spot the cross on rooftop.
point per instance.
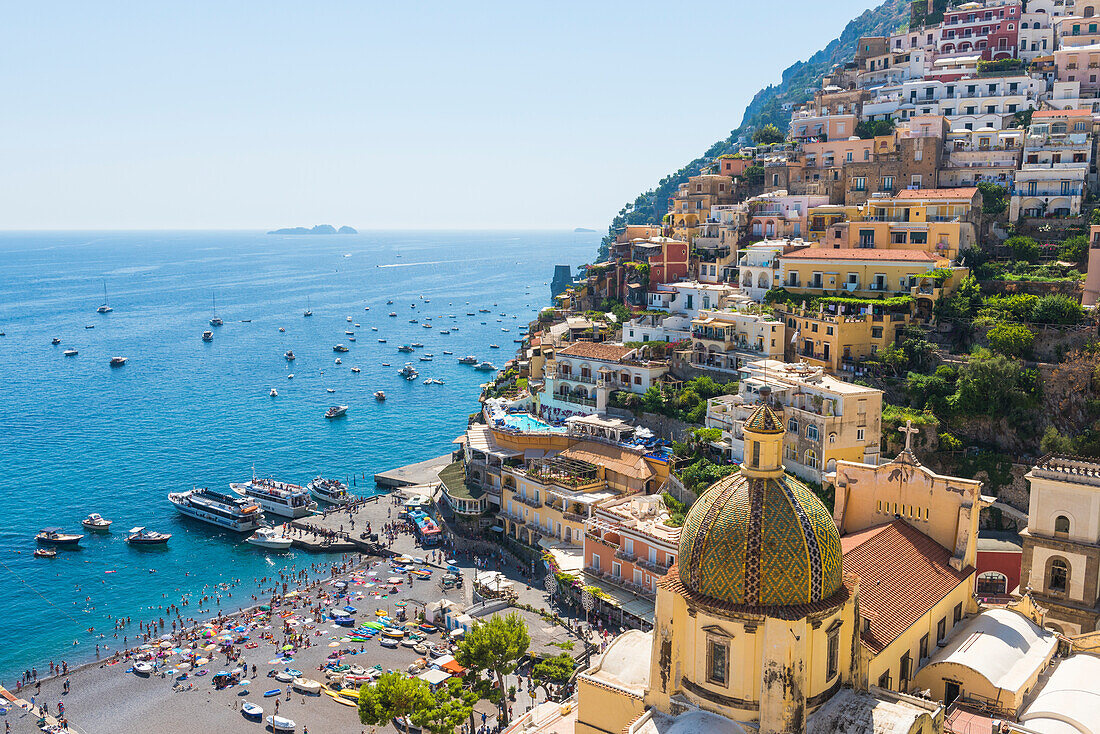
(909, 431)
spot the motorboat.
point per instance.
(468, 359)
(269, 538)
(416, 345)
(282, 330)
(356, 325)
(381, 341)
(97, 522)
(374, 328)
(336, 411)
(54, 536)
(280, 723)
(143, 667)
(349, 319)
(208, 336)
(89, 326)
(414, 321)
(483, 310)
(485, 366)
(408, 372)
(388, 642)
(215, 320)
(338, 361)
(117, 361)
(349, 333)
(142, 536)
(274, 393)
(445, 331)
(392, 313)
(494, 346)
(405, 348)
(218, 508)
(70, 352)
(330, 390)
(356, 370)
(252, 710)
(289, 355)
(55, 341)
(106, 307)
(279, 498)
(45, 553)
(351, 338)
(426, 358)
(290, 376)
(379, 395)
(447, 352)
(340, 348)
(332, 491)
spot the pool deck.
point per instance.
(422, 472)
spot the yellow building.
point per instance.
(693, 200)
(856, 273)
(840, 337)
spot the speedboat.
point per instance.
(218, 508)
(392, 313)
(356, 325)
(338, 361)
(70, 352)
(117, 361)
(330, 390)
(379, 395)
(483, 310)
(55, 341)
(54, 536)
(468, 359)
(340, 348)
(416, 345)
(141, 536)
(349, 319)
(279, 723)
(351, 338)
(96, 522)
(279, 498)
(332, 491)
(208, 336)
(356, 370)
(494, 346)
(389, 303)
(45, 553)
(445, 331)
(405, 348)
(290, 376)
(484, 366)
(89, 326)
(282, 330)
(269, 538)
(274, 393)
(408, 371)
(446, 352)
(426, 358)
(349, 333)
(289, 355)
(381, 341)
(336, 411)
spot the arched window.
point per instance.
(831, 465)
(1089, 12)
(762, 280)
(1058, 579)
(1061, 525)
(992, 582)
(811, 458)
(832, 438)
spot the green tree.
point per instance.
(445, 708)
(767, 135)
(392, 696)
(994, 385)
(495, 646)
(930, 392)
(994, 197)
(558, 669)
(1053, 442)
(1012, 340)
(963, 303)
(1074, 249)
(868, 129)
(1057, 309)
(1023, 248)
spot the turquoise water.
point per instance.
(528, 422)
(80, 437)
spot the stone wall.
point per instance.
(670, 429)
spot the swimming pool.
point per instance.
(528, 422)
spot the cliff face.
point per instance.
(797, 85)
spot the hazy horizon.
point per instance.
(498, 116)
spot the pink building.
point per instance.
(627, 543)
(991, 31)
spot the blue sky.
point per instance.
(428, 114)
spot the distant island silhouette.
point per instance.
(318, 229)
(583, 229)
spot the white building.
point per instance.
(981, 155)
(657, 328)
(725, 340)
(689, 297)
(581, 377)
(1056, 159)
(758, 268)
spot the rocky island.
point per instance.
(317, 229)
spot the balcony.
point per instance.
(576, 400)
(1048, 192)
(529, 501)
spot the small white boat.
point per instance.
(250, 709)
(290, 376)
(283, 677)
(96, 522)
(331, 390)
(269, 538)
(349, 319)
(339, 361)
(336, 411)
(117, 361)
(274, 393)
(70, 352)
(356, 370)
(208, 336)
(143, 668)
(282, 330)
(306, 685)
(278, 723)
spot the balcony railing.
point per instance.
(577, 400)
(529, 501)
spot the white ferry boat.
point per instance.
(279, 498)
(332, 491)
(218, 508)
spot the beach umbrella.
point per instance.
(166, 637)
(184, 666)
(166, 645)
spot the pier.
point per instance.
(423, 472)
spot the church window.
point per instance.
(1059, 576)
(834, 655)
(1061, 525)
(717, 662)
(756, 453)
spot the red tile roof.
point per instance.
(596, 350)
(1062, 113)
(903, 573)
(936, 194)
(829, 253)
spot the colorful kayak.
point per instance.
(272, 692)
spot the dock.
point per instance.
(423, 472)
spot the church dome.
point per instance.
(760, 542)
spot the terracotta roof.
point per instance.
(936, 194)
(828, 253)
(618, 460)
(1063, 113)
(902, 574)
(596, 350)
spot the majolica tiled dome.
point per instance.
(760, 542)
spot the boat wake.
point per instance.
(433, 262)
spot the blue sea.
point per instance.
(81, 437)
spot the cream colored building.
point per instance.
(724, 340)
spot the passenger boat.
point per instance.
(340, 348)
(215, 320)
(408, 371)
(117, 361)
(106, 307)
(405, 348)
(218, 508)
(208, 336)
(45, 553)
(54, 536)
(269, 538)
(336, 411)
(95, 521)
(289, 355)
(379, 395)
(332, 491)
(70, 352)
(141, 536)
(484, 366)
(279, 498)
(468, 359)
